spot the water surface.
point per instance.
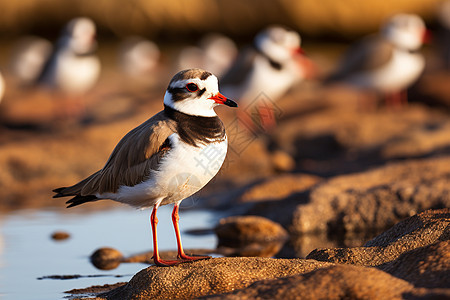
(27, 251)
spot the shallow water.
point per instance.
(27, 251)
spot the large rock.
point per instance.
(374, 199)
(207, 277)
(335, 282)
(416, 249)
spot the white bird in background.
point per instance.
(215, 53)
(387, 63)
(264, 72)
(73, 68)
(29, 56)
(138, 58)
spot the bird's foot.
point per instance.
(192, 258)
(166, 263)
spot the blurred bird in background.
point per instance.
(387, 63)
(138, 59)
(264, 72)
(73, 68)
(215, 53)
(29, 56)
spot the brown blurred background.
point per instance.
(176, 18)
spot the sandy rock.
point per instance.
(335, 282)
(416, 250)
(207, 277)
(375, 199)
(279, 187)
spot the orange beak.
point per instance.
(221, 99)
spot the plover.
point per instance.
(167, 158)
(388, 62)
(29, 56)
(138, 57)
(269, 68)
(73, 68)
(215, 53)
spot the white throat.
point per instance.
(191, 107)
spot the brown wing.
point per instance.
(370, 53)
(131, 160)
(241, 67)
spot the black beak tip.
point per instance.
(230, 103)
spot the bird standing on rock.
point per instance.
(387, 63)
(167, 158)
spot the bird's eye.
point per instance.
(192, 87)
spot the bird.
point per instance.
(215, 52)
(138, 58)
(73, 68)
(167, 158)
(29, 57)
(388, 62)
(267, 70)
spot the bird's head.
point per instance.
(195, 92)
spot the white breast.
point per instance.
(403, 70)
(76, 74)
(265, 79)
(182, 172)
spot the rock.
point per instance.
(282, 161)
(106, 258)
(279, 187)
(416, 249)
(370, 200)
(335, 282)
(423, 267)
(250, 236)
(207, 277)
(246, 229)
(60, 235)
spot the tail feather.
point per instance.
(78, 199)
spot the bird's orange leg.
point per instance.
(158, 261)
(181, 254)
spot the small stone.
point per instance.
(60, 235)
(247, 229)
(106, 258)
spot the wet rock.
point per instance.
(335, 282)
(249, 229)
(207, 277)
(60, 235)
(416, 249)
(250, 236)
(370, 200)
(106, 258)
